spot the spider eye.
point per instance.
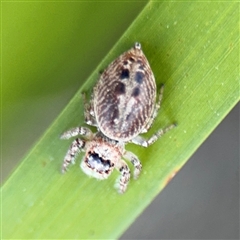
(94, 161)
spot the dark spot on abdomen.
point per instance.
(124, 74)
(120, 88)
(135, 92)
(131, 59)
(139, 77)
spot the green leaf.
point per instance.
(193, 49)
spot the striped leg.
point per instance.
(139, 140)
(75, 148)
(135, 162)
(123, 180)
(88, 112)
(83, 131)
(156, 109)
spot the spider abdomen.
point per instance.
(125, 95)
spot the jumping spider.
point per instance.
(122, 107)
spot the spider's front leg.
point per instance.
(123, 180)
(135, 162)
(75, 148)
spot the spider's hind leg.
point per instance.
(89, 111)
(139, 140)
(156, 109)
